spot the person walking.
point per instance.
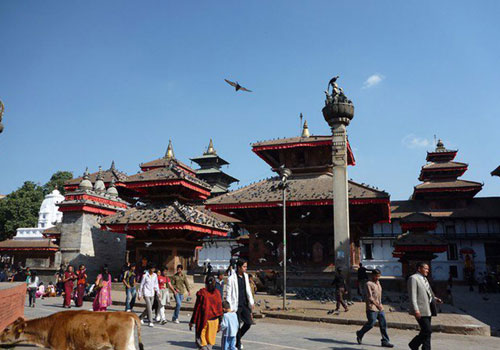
(147, 289)
(68, 281)
(374, 310)
(81, 284)
(129, 280)
(163, 298)
(181, 285)
(239, 296)
(340, 290)
(229, 327)
(33, 282)
(422, 306)
(207, 315)
(103, 296)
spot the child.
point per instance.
(229, 327)
(41, 291)
(51, 290)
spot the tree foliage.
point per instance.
(57, 180)
(20, 208)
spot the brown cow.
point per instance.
(76, 330)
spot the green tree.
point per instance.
(20, 209)
(58, 179)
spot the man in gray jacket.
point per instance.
(421, 297)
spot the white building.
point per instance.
(48, 216)
(472, 231)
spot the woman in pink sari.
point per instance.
(103, 297)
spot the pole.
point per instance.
(284, 246)
(341, 201)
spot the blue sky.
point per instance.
(88, 82)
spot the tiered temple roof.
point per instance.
(440, 177)
(168, 192)
(309, 158)
(166, 161)
(210, 163)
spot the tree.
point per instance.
(58, 179)
(20, 209)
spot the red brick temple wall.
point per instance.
(12, 299)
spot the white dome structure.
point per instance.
(49, 213)
(48, 216)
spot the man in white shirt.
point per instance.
(149, 285)
(422, 303)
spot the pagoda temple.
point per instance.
(210, 171)
(168, 221)
(309, 205)
(440, 179)
(447, 208)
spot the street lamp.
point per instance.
(284, 173)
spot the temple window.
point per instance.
(368, 250)
(454, 271)
(452, 252)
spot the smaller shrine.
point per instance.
(210, 171)
(417, 244)
(107, 176)
(81, 239)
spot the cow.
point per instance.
(76, 330)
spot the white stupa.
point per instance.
(49, 215)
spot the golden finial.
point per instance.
(305, 130)
(170, 151)
(211, 149)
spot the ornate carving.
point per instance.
(338, 108)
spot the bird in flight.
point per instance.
(237, 86)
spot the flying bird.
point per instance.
(274, 231)
(237, 86)
(262, 260)
(148, 244)
(305, 215)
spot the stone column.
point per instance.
(340, 198)
(338, 112)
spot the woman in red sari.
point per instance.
(68, 278)
(207, 314)
(103, 297)
(80, 285)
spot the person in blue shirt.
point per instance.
(229, 327)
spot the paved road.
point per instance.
(273, 334)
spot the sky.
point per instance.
(88, 82)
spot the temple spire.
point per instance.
(305, 130)
(112, 166)
(211, 149)
(170, 151)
